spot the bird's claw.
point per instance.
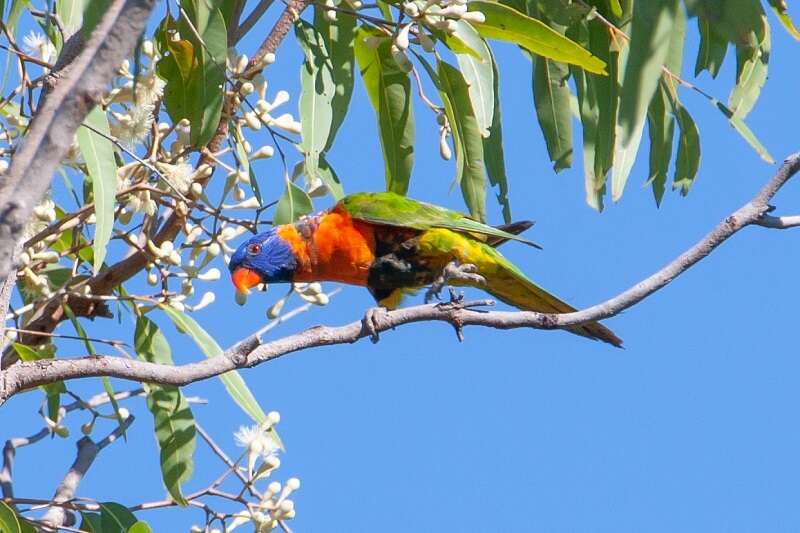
(372, 320)
(453, 270)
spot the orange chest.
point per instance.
(332, 247)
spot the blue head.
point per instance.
(264, 258)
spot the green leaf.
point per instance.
(172, 416)
(479, 75)
(507, 24)
(317, 89)
(93, 11)
(661, 128)
(652, 25)
(98, 152)
(589, 114)
(493, 155)
(293, 203)
(467, 139)
(752, 61)
(71, 14)
(739, 125)
(606, 89)
(328, 176)
(234, 384)
(115, 518)
(338, 36)
(205, 86)
(551, 97)
(140, 527)
(9, 523)
(782, 12)
(389, 90)
(688, 159)
(713, 48)
(90, 522)
(326, 86)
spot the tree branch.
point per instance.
(51, 132)
(785, 222)
(87, 452)
(251, 352)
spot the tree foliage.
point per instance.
(160, 179)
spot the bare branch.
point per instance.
(785, 222)
(9, 453)
(51, 132)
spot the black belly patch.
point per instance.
(397, 263)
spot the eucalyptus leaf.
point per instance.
(687, 161)
(551, 96)
(71, 14)
(504, 23)
(234, 384)
(712, 50)
(651, 27)
(204, 88)
(493, 155)
(389, 90)
(293, 203)
(338, 36)
(9, 522)
(140, 527)
(115, 518)
(173, 420)
(661, 128)
(98, 152)
(589, 115)
(782, 12)
(467, 139)
(752, 60)
(478, 72)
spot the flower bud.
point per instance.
(263, 153)
(401, 41)
(474, 16)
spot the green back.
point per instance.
(392, 209)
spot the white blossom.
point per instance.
(133, 126)
(37, 45)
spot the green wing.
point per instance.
(392, 209)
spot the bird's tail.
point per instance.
(507, 283)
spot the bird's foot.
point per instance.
(453, 270)
(372, 321)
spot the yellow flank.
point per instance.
(505, 281)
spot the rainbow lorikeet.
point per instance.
(394, 245)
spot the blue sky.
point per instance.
(691, 428)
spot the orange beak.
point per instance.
(244, 279)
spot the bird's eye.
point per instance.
(254, 249)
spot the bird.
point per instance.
(394, 245)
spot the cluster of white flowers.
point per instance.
(138, 94)
(274, 505)
(38, 45)
(441, 15)
(34, 258)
